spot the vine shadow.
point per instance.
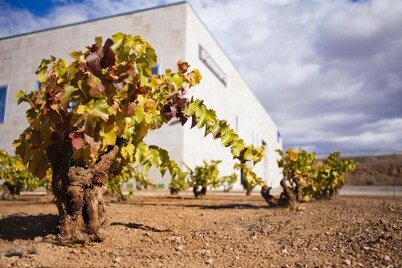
(27, 227)
(139, 226)
(233, 206)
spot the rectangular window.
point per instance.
(3, 101)
(37, 85)
(278, 136)
(156, 69)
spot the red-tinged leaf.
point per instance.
(93, 145)
(183, 119)
(167, 111)
(132, 108)
(193, 121)
(173, 110)
(109, 57)
(94, 61)
(77, 140)
(131, 71)
(182, 66)
(181, 103)
(216, 134)
(96, 86)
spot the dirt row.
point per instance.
(217, 231)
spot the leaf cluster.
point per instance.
(329, 177)
(138, 173)
(301, 169)
(108, 96)
(297, 166)
(13, 171)
(220, 129)
(249, 179)
(207, 175)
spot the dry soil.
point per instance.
(219, 230)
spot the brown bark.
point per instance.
(10, 191)
(286, 199)
(270, 199)
(288, 196)
(199, 193)
(79, 190)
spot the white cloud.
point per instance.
(326, 69)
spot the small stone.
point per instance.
(33, 251)
(366, 248)
(209, 261)
(254, 237)
(49, 237)
(175, 239)
(38, 239)
(117, 260)
(205, 253)
(315, 249)
(360, 264)
(15, 252)
(237, 258)
(284, 251)
(347, 262)
(179, 248)
(326, 233)
(387, 258)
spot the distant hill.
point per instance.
(377, 170)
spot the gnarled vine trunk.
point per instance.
(288, 197)
(10, 191)
(79, 190)
(199, 193)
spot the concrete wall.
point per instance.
(234, 102)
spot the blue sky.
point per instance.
(328, 72)
(36, 7)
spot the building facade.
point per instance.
(176, 32)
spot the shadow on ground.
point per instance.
(140, 226)
(27, 227)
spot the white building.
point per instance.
(176, 32)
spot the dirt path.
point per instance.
(218, 231)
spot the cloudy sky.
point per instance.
(328, 72)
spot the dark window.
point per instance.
(155, 69)
(37, 85)
(3, 101)
(278, 136)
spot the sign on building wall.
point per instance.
(212, 65)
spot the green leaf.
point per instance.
(101, 109)
(139, 114)
(39, 164)
(238, 148)
(76, 55)
(117, 39)
(66, 95)
(110, 137)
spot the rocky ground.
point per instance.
(220, 230)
